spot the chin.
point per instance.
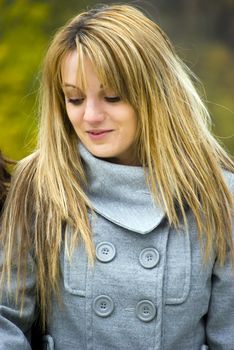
(100, 153)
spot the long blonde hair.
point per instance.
(184, 161)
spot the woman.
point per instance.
(123, 214)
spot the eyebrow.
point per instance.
(76, 87)
(70, 85)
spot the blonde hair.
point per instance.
(183, 159)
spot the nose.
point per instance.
(94, 112)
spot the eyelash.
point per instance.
(75, 101)
(78, 101)
(113, 99)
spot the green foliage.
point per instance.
(23, 41)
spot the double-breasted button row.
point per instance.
(148, 258)
(103, 306)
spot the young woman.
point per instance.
(118, 229)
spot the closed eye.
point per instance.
(113, 99)
(75, 101)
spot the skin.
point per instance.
(104, 123)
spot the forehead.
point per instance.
(69, 68)
(77, 72)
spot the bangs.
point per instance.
(110, 65)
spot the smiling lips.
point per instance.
(98, 134)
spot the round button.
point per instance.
(105, 251)
(103, 305)
(145, 310)
(149, 258)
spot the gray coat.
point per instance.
(149, 288)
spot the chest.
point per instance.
(164, 258)
(139, 287)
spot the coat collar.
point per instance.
(120, 194)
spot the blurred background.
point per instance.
(201, 31)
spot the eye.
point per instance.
(113, 99)
(75, 101)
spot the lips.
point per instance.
(98, 135)
(98, 132)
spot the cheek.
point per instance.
(133, 125)
(133, 130)
(74, 115)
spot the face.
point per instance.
(105, 124)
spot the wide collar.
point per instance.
(120, 194)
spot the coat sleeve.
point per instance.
(15, 324)
(220, 318)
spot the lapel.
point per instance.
(120, 194)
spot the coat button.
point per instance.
(145, 310)
(105, 251)
(103, 305)
(149, 258)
